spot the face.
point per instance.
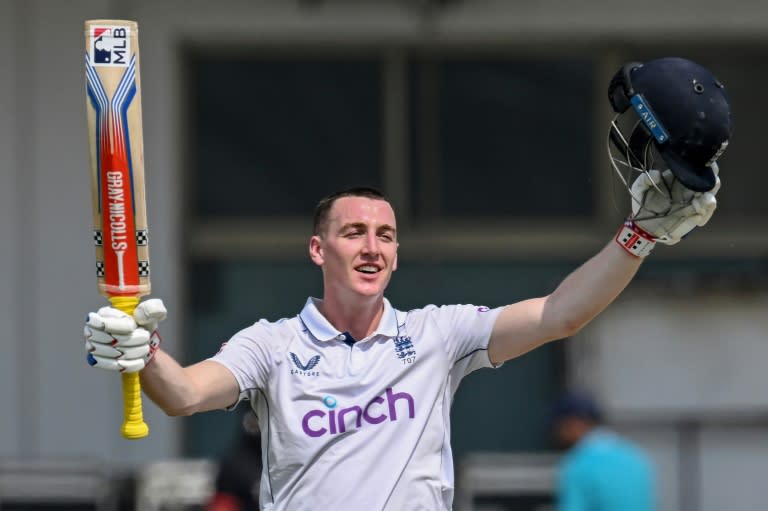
(358, 249)
(569, 430)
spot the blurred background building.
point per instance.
(484, 120)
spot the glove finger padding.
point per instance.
(150, 311)
(705, 206)
(120, 365)
(118, 342)
(641, 185)
(666, 209)
(138, 337)
(111, 320)
(104, 350)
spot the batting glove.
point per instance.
(664, 210)
(662, 206)
(119, 342)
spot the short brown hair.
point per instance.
(323, 207)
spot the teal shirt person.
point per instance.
(601, 470)
(606, 472)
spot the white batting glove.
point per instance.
(119, 342)
(666, 209)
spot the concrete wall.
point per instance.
(10, 284)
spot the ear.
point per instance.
(394, 264)
(316, 250)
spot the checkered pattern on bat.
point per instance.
(143, 268)
(142, 238)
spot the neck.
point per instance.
(360, 317)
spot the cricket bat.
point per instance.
(113, 105)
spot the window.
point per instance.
(501, 137)
(270, 137)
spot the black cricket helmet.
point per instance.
(680, 115)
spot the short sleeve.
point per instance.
(466, 330)
(248, 357)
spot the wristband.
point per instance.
(634, 239)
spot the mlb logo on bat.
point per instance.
(110, 46)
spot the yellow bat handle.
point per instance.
(133, 426)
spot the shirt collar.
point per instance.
(322, 330)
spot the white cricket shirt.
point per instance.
(358, 425)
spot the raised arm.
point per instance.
(525, 325)
(587, 291)
(672, 123)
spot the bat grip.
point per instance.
(133, 426)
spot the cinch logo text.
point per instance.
(317, 423)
